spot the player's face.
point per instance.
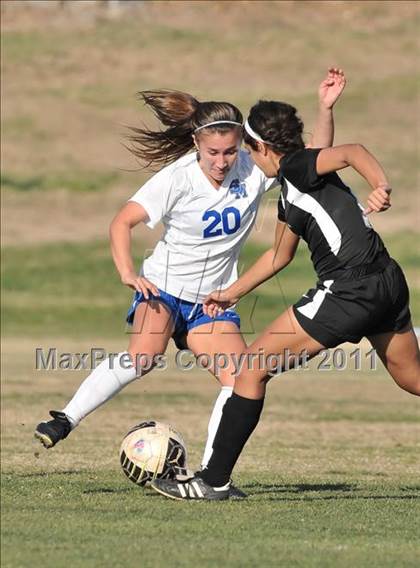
(218, 153)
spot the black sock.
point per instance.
(239, 419)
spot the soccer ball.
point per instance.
(150, 450)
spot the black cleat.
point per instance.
(192, 489)
(51, 432)
(236, 493)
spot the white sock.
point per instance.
(101, 385)
(216, 416)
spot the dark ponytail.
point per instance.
(278, 124)
(182, 114)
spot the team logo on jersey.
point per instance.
(238, 189)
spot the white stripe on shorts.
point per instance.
(311, 308)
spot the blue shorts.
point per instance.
(186, 315)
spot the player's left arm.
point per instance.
(328, 93)
(360, 159)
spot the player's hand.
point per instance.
(379, 200)
(140, 284)
(331, 87)
(217, 302)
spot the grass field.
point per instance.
(333, 470)
(332, 475)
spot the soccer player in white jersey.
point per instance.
(207, 201)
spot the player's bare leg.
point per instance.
(152, 329)
(286, 341)
(399, 352)
(219, 340)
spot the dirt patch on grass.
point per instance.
(71, 70)
(62, 215)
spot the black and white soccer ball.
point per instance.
(152, 450)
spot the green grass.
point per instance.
(283, 523)
(73, 289)
(331, 473)
(72, 180)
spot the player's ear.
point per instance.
(263, 148)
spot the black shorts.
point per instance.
(344, 309)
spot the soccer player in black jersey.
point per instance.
(360, 291)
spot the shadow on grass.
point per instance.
(50, 473)
(343, 491)
(349, 497)
(262, 488)
(108, 490)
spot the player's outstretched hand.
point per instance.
(331, 87)
(140, 284)
(379, 200)
(217, 302)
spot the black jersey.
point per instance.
(326, 214)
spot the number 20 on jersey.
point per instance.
(227, 222)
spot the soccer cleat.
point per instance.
(192, 489)
(236, 493)
(51, 432)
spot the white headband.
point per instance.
(253, 134)
(218, 122)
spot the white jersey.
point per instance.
(205, 227)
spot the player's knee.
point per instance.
(226, 377)
(252, 383)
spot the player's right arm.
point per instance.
(120, 234)
(271, 262)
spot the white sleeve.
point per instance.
(158, 195)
